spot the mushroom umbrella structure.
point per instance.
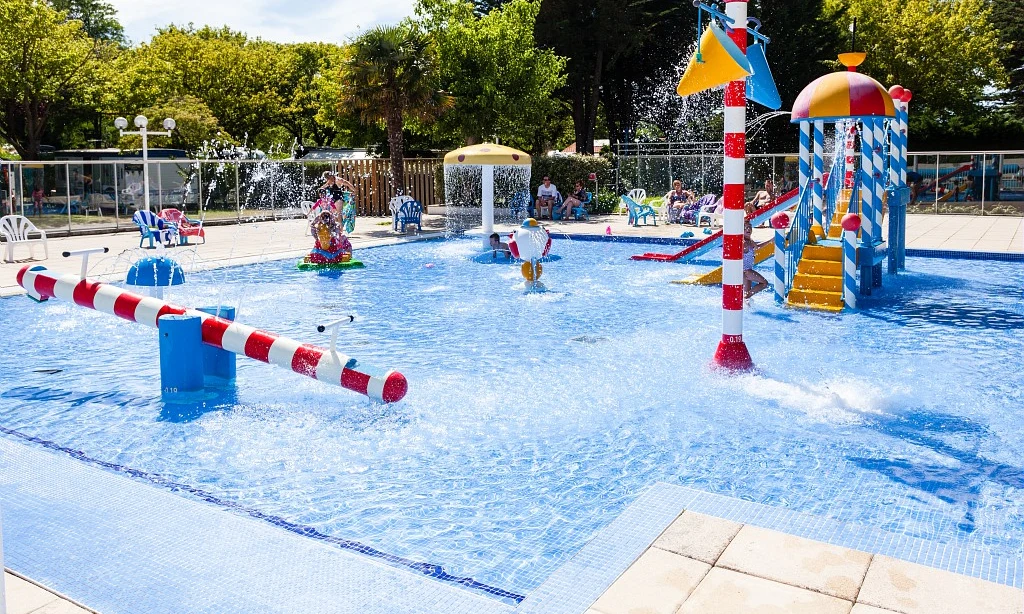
(492, 160)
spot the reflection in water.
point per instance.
(960, 482)
(951, 313)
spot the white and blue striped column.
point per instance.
(850, 268)
(903, 113)
(819, 171)
(895, 147)
(867, 189)
(805, 152)
(780, 222)
(878, 162)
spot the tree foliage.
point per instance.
(47, 68)
(196, 125)
(390, 76)
(945, 51)
(99, 18)
(502, 84)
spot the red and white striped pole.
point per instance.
(305, 359)
(851, 154)
(732, 353)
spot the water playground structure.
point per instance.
(530, 243)
(818, 256)
(198, 346)
(491, 162)
(331, 248)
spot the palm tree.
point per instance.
(389, 76)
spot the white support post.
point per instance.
(487, 202)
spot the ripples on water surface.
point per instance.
(533, 420)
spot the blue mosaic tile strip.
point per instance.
(575, 586)
(962, 255)
(430, 570)
(624, 239)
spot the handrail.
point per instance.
(831, 192)
(799, 232)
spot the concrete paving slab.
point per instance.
(805, 563)
(728, 592)
(915, 589)
(24, 597)
(698, 536)
(860, 608)
(655, 584)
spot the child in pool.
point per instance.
(753, 282)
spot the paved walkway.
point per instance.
(24, 597)
(965, 233)
(707, 565)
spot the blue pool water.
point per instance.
(533, 420)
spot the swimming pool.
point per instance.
(533, 420)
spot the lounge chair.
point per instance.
(637, 195)
(638, 212)
(186, 227)
(153, 227)
(15, 230)
(692, 211)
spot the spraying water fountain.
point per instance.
(480, 175)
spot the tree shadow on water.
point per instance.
(959, 483)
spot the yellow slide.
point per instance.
(714, 277)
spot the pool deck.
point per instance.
(693, 561)
(268, 240)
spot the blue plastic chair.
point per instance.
(410, 213)
(638, 212)
(521, 205)
(580, 212)
(556, 213)
(154, 228)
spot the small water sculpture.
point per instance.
(156, 273)
(331, 249)
(531, 242)
(481, 175)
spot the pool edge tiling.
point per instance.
(118, 545)
(575, 586)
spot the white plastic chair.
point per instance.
(713, 213)
(15, 230)
(307, 212)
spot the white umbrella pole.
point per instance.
(488, 203)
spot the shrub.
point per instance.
(565, 170)
(607, 202)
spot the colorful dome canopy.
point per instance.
(843, 95)
(488, 153)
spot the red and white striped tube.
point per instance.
(732, 352)
(851, 154)
(303, 358)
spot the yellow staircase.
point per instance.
(818, 283)
(835, 231)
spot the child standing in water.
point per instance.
(753, 282)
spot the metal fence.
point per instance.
(103, 195)
(970, 183)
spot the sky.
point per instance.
(284, 21)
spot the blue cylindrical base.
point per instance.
(181, 354)
(219, 364)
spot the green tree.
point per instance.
(502, 84)
(1008, 19)
(308, 70)
(47, 65)
(945, 51)
(196, 125)
(98, 18)
(239, 79)
(390, 76)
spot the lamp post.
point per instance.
(141, 122)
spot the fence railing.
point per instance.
(971, 182)
(798, 233)
(103, 194)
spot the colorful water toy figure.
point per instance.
(529, 243)
(332, 250)
(348, 214)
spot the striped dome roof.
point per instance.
(843, 95)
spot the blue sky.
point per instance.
(285, 21)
